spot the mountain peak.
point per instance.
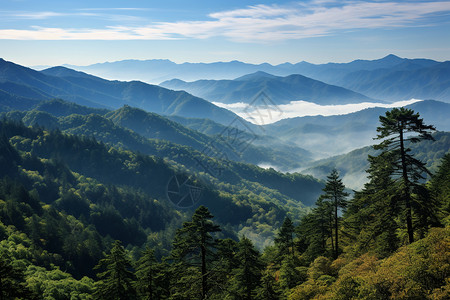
(391, 58)
(172, 81)
(256, 75)
(61, 71)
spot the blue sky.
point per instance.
(318, 31)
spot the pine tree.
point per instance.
(152, 277)
(335, 193)
(285, 238)
(289, 274)
(396, 129)
(371, 216)
(225, 263)
(440, 189)
(315, 229)
(269, 289)
(116, 282)
(247, 277)
(194, 246)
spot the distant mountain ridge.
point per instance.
(158, 70)
(405, 81)
(341, 74)
(281, 90)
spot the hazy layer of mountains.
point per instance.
(280, 90)
(331, 135)
(389, 78)
(352, 165)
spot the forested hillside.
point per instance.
(77, 214)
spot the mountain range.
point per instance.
(387, 78)
(94, 171)
(23, 88)
(84, 89)
(280, 90)
(405, 81)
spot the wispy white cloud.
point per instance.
(258, 23)
(36, 15)
(300, 109)
(94, 14)
(115, 8)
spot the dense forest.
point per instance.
(84, 216)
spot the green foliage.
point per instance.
(320, 228)
(394, 130)
(334, 192)
(440, 189)
(285, 238)
(57, 285)
(247, 277)
(315, 231)
(117, 279)
(12, 279)
(269, 288)
(65, 198)
(290, 274)
(194, 247)
(152, 277)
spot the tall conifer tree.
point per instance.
(194, 246)
(397, 127)
(336, 195)
(116, 282)
(285, 238)
(247, 277)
